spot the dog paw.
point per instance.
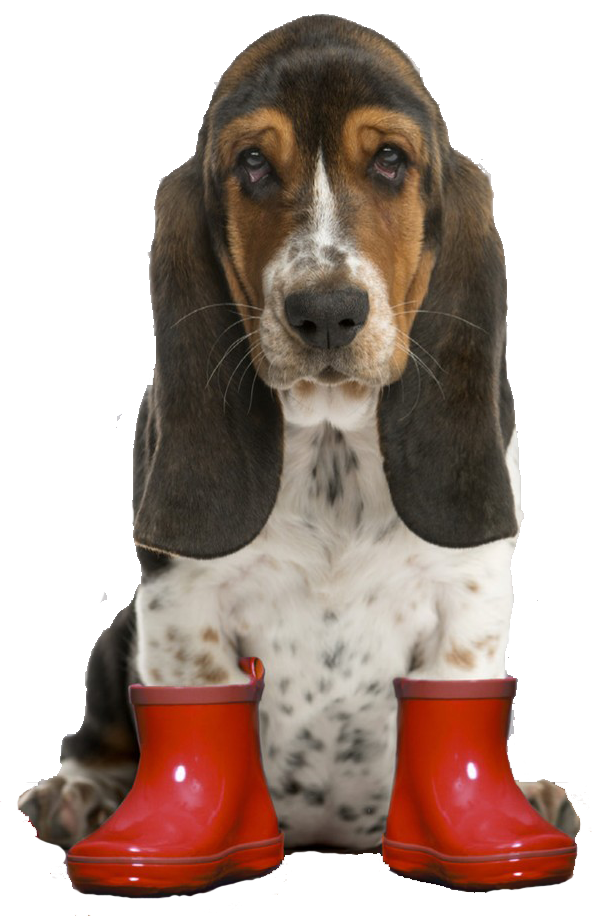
(69, 806)
(553, 804)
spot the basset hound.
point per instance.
(325, 467)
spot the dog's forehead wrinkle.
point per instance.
(321, 84)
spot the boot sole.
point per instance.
(128, 876)
(480, 873)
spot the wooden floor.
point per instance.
(348, 895)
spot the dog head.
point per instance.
(324, 234)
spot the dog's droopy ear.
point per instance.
(445, 425)
(208, 456)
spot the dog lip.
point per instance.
(331, 375)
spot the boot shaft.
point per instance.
(213, 731)
(470, 718)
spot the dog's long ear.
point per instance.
(207, 457)
(444, 427)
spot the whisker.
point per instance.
(214, 305)
(255, 368)
(245, 356)
(258, 350)
(413, 408)
(227, 352)
(446, 315)
(424, 350)
(234, 324)
(421, 362)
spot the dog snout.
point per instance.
(327, 319)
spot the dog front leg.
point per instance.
(180, 639)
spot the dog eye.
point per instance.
(255, 164)
(389, 162)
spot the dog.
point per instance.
(325, 466)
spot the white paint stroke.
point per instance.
(530, 346)
(32, 848)
(538, 720)
(137, 225)
(517, 634)
(96, 589)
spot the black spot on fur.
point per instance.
(154, 605)
(378, 826)
(312, 743)
(334, 484)
(287, 709)
(314, 796)
(283, 684)
(296, 759)
(346, 813)
(291, 786)
(329, 616)
(374, 687)
(342, 716)
(309, 696)
(351, 463)
(356, 749)
(332, 659)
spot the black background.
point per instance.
(87, 101)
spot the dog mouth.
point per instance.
(331, 376)
(327, 376)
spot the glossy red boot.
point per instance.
(199, 812)
(456, 816)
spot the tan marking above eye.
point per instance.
(266, 129)
(366, 129)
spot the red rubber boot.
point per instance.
(456, 816)
(199, 812)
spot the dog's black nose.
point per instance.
(327, 319)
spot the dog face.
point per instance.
(328, 179)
